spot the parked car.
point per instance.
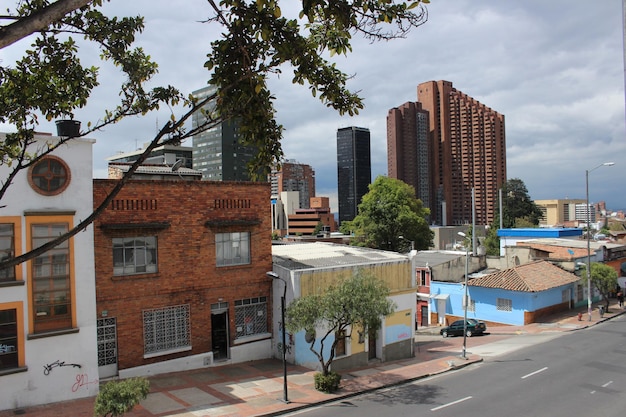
(456, 329)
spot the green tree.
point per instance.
(257, 42)
(492, 241)
(391, 217)
(517, 207)
(604, 278)
(352, 303)
(118, 397)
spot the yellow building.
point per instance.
(559, 212)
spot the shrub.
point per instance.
(117, 397)
(327, 383)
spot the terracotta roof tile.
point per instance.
(531, 277)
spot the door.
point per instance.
(107, 347)
(371, 340)
(424, 318)
(219, 334)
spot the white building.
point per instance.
(48, 349)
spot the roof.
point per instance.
(572, 243)
(541, 232)
(327, 255)
(531, 277)
(156, 169)
(433, 258)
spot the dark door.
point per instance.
(424, 318)
(371, 336)
(219, 335)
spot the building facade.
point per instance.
(48, 347)
(307, 221)
(294, 176)
(468, 152)
(354, 169)
(408, 149)
(218, 152)
(560, 212)
(181, 274)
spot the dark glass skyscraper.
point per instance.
(354, 169)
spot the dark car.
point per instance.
(456, 329)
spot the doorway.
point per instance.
(371, 345)
(424, 318)
(107, 347)
(219, 331)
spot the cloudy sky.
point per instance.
(554, 68)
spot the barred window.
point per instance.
(471, 306)
(8, 339)
(134, 255)
(250, 316)
(504, 304)
(232, 248)
(166, 329)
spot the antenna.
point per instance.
(176, 165)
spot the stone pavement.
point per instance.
(256, 388)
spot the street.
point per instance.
(580, 373)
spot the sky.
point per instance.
(555, 69)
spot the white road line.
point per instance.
(449, 404)
(607, 384)
(534, 373)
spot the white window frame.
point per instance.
(232, 248)
(136, 258)
(504, 304)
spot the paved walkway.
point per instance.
(256, 388)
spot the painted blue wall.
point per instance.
(485, 301)
(304, 356)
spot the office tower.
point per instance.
(407, 148)
(468, 151)
(354, 169)
(218, 152)
(294, 176)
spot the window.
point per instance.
(422, 277)
(49, 176)
(166, 330)
(251, 316)
(232, 248)
(52, 302)
(504, 304)
(7, 250)
(134, 255)
(8, 339)
(471, 306)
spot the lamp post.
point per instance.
(274, 275)
(606, 164)
(463, 355)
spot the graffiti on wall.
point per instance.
(49, 367)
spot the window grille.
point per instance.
(250, 316)
(504, 304)
(166, 329)
(8, 339)
(7, 250)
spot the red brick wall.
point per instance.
(187, 271)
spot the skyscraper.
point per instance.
(468, 151)
(218, 152)
(407, 148)
(294, 176)
(354, 169)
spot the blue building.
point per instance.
(514, 296)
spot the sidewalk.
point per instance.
(256, 388)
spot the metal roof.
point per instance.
(328, 255)
(436, 257)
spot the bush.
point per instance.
(327, 383)
(118, 397)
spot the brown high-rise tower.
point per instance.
(467, 151)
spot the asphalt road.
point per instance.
(581, 373)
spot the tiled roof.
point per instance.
(325, 255)
(531, 277)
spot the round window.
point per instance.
(49, 176)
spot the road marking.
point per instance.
(534, 373)
(449, 404)
(607, 384)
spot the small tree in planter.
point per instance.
(358, 301)
(118, 397)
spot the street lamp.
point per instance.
(465, 299)
(274, 275)
(606, 164)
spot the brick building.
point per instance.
(181, 274)
(306, 221)
(468, 151)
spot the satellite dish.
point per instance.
(177, 165)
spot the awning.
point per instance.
(442, 296)
(422, 296)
